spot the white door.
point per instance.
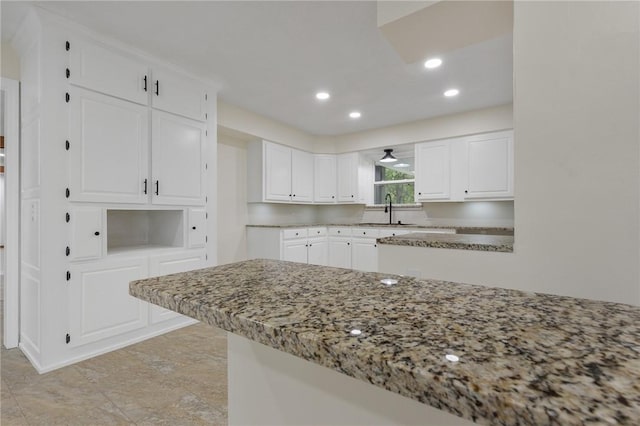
(490, 166)
(108, 149)
(99, 302)
(171, 264)
(325, 171)
(432, 171)
(175, 93)
(87, 233)
(177, 160)
(295, 251)
(347, 178)
(301, 176)
(318, 251)
(197, 230)
(105, 70)
(364, 254)
(277, 172)
(340, 252)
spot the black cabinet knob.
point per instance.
(348, 244)
(96, 233)
(419, 193)
(352, 196)
(466, 192)
(193, 227)
(333, 196)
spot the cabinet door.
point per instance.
(197, 230)
(340, 252)
(318, 251)
(301, 176)
(277, 172)
(432, 171)
(109, 148)
(171, 264)
(325, 172)
(347, 178)
(107, 71)
(178, 94)
(364, 254)
(99, 302)
(87, 233)
(490, 166)
(177, 160)
(295, 251)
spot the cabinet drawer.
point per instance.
(365, 232)
(394, 232)
(340, 231)
(294, 233)
(317, 232)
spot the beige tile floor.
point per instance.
(179, 378)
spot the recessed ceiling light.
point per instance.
(323, 96)
(355, 114)
(401, 165)
(433, 63)
(451, 92)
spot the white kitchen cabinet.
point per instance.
(432, 172)
(171, 264)
(197, 231)
(301, 176)
(99, 302)
(347, 165)
(467, 168)
(178, 94)
(96, 67)
(364, 254)
(87, 233)
(318, 251)
(295, 250)
(108, 148)
(177, 160)
(489, 166)
(325, 178)
(340, 252)
(277, 173)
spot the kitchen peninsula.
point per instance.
(489, 355)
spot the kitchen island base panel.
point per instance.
(270, 387)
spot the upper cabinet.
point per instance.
(113, 103)
(98, 68)
(348, 178)
(468, 168)
(178, 94)
(489, 166)
(432, 171)
(325, 178)
(278, 173)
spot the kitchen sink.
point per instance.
(386, 224)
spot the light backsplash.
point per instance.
(475, 213)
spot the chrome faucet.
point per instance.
(388, 208)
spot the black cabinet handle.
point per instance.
(352, 196)
(157, 187)
(145, 186)
(466, 192)
(333, 196)
(375, 245)
(157, 87)
(419, 193)
(348, 244)
(193, 227)
(96, 233)
(145, 83)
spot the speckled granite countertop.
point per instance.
(500, 243)
(459, 229)
(524, 358)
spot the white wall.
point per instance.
(576, 113)
(232, 199)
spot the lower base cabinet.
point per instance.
(364, 254)
(99, 302)
(100, 306)
(340, 252)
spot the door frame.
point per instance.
(11, 111)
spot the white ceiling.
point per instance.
(271, 58)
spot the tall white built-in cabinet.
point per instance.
(117, 184)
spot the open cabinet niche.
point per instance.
(144, 229)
